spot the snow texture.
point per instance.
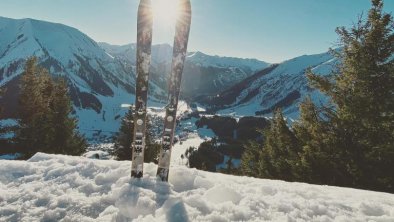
(63, 188)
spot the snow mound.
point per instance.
(63, 188)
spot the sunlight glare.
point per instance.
(165, 12)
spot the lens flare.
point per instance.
(165, 12)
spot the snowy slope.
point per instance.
(64, 188)
(282, 85)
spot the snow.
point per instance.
(206, 133)
(64, 188)
(273, 87)
(202, 59)
(8, 123)
(236, 163)
(179, 149)
(13, 156)
(97, 154)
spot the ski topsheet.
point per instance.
(144, 44)
(182, 30)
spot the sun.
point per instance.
(165, 12)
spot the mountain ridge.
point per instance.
(282, 85)
(99, 83)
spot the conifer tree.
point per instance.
(152, 147)
(362, 94)
(122, 147)
(280, 155)
(321, 160)
(66, 140)
(45, 124)
(33, 110)
(250, 160)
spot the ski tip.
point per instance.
(162, 174)
(185, 5)
(185, 11)
(145, 19)
(145, 6)
(137, 175)
(145, 3)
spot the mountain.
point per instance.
(100, 81)
(203, 74)
(281, 85)
(64, 188)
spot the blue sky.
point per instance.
(270, 30)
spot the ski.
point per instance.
(182, 30)
(144, 44)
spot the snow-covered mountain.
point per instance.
(98, 83)
(280, 85)
(203, 74)
(65, 188)
(101, 80)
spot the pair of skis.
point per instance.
(144, 44)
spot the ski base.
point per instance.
(137, 169)
(162, 174)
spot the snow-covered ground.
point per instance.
(179, 149)
(64, 188)
(10, 156)
(7, 123)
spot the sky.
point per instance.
(269, 30)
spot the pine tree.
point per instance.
(250, 160)
(45, 124)
(280, 153)
(278, 157)
(362, 93)
(321, 160)
(66, 140)
(152, 148)
(34, 109)
(122, 147)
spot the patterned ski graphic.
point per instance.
(182, 30)
(144, 44)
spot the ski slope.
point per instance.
(64, 188)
